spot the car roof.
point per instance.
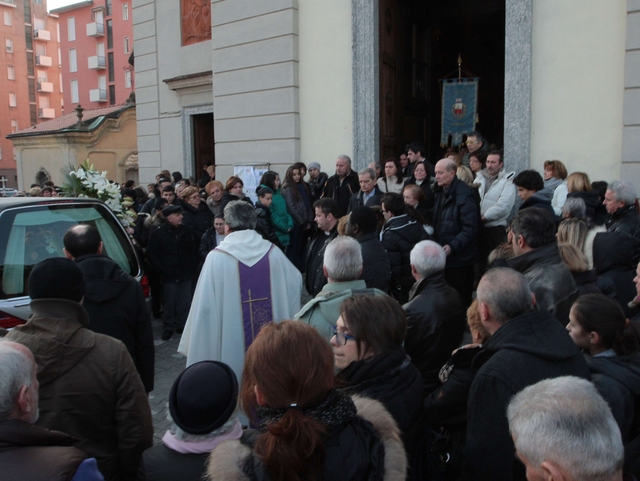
(9, 202)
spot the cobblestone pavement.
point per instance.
(168, 365)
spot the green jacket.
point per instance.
(281, 219)
(323, 311)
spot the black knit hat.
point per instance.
(203, 397)
(171, 209)
(57, 278)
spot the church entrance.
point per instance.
(420, 41)
(203, 143)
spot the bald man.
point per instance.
(456, 221)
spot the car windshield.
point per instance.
(31, 234)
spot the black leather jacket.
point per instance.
(436, 320)
(549, 279)
(627, 221)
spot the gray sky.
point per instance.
(51, 4)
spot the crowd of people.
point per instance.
(371, 378)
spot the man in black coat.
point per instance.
(376, 270)
(538, 259)
(620, 202)
(113, 299)
(400, 234)
(369, 194)
(172, 252)
(456, 221)
(341, 186)
(435, 315)
(526, 346)
(326, 211)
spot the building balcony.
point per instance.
(43, 61)
(42, 35)
(98, 95)
(47, 113)
(95, 29)
(45, 87)
(97, 62)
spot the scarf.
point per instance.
(198, 447)
(368, 373)
(333, 411)
(550, 186)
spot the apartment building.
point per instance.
(96, 40)
(30, 82)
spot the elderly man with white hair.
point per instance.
(29, 452)
(342, 267)
(620, 202)
(435, 314)
(563, 430)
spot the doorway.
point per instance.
(203, 143)
(419, 45)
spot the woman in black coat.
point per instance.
(611, 344)
(233, 191)
(368, 353)
(196, 216)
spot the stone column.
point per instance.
(630, 168)
(366, 83)
(517, 84)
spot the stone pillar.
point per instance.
(366, 83)
(517, 84)
(255, 82)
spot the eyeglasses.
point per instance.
(471, 142)
(341, 337)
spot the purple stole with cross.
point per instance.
(255, 296)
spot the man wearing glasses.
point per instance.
(475, 141)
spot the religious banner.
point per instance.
(459, 106)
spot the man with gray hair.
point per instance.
(526, 346)
(620, 202)
(342, 267)
(564, 430)
(245, 283)
(30, 452)
(435, 314)
(369, 193)
(341, 186)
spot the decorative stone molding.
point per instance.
(197, 82)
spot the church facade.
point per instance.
(279, 81)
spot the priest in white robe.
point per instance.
(245, 282)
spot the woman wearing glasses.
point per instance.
(368, 352)
(308, 429)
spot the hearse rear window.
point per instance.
(31, 234)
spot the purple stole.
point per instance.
(255, 296)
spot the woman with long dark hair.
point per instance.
(298, 199)
(611, 344)
(392, 181)
(308, 429)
